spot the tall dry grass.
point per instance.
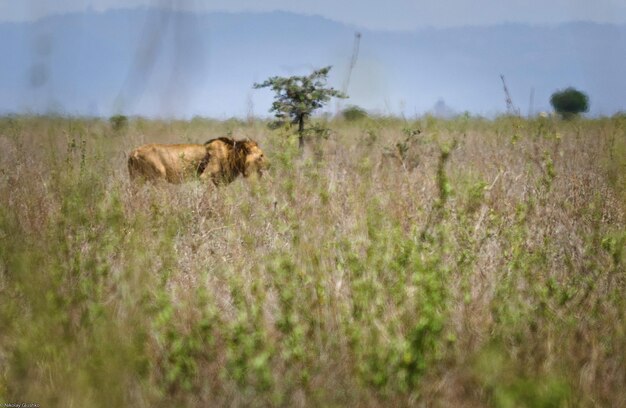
(438, 263)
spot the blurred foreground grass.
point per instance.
(447, 263)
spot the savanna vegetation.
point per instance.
(465, 262)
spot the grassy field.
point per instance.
(463, 263)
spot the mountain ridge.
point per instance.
(180, 64)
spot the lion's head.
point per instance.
(255, 160)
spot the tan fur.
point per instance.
(227, 158)
(220, 159)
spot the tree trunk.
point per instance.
(301, 132)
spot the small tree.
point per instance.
(118, 122)
(569, 102)
(298, 96)
(353, 113)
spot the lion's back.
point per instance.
(173, 162)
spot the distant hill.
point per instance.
(154, 63)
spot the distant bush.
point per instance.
(118, 122)
(353, 113)
(569, 102)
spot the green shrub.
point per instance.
(569, 102)
(118, 122)
(353, 113)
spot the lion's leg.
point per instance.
(146, 169)
(133, 168)
(213, 171)
(173, 176)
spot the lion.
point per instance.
(221, 160)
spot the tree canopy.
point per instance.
(296, 97)
(569, 102)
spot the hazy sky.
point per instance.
(168, 65)
(373, 14)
